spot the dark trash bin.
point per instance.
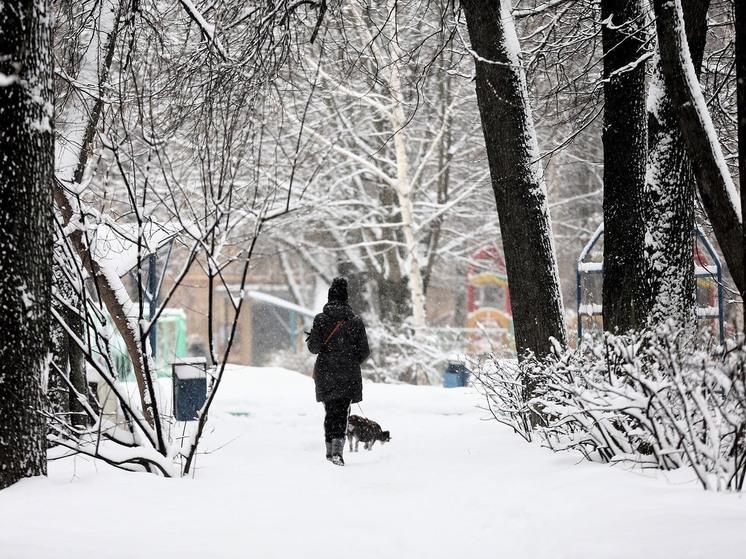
(456, 375)
(190, 387)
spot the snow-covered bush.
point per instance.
(403, 356)
(503, 384)
(656, 399)
(293, 359)
(413, 356)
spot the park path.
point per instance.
(450, 484)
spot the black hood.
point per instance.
(338, 310)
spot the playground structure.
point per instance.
(488, 302)
(168, 337)
(142, 258)
(708, 274)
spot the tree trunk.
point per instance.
(72, 156)
(405, 193)
(444, 177)
(393, 295)
(716, 188)
(626, 292)
(26, 143)
(80, 120)
(671, 190)
(404, 187)
(741, 102)
(517, 179)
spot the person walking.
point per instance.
(338, 337)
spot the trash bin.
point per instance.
(190, 387)
(456, 375)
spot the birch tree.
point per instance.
(388, 100)
(26, 118)
(368, 153)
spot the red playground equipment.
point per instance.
(488, 301)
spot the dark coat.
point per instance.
(338, 373)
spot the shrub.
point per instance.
(656, 399)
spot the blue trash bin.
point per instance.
(456, 375)
(190, 387)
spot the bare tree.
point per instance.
(157, 145)
(26, 116)
(383, 131)
(740, 21)
(517, 178)
(625, 281)
(670, 190)
(716, 187)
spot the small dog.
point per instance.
(365, 430)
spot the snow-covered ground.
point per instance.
(448, 485)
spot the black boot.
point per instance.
(338, 446)
(329, 450)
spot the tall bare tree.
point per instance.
(625, 285)
(517, 177)
(716, 187)
(740, 8)
(26, 174)
(670, 189)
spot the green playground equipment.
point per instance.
(171, 345)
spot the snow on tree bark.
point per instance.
(670, 190)
(404, 192)
(26, 148)
(716, 187)
(626, 289)
(517, 178)
(741, 102)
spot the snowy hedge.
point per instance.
(654, 399)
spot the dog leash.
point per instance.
(361, 410)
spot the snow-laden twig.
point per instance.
(208, 29)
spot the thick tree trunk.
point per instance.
(741, 102)
(517, 180)
(671, 190)
(26, 145)
(716, 188)
(626, 291)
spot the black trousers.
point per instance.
(335, 422)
